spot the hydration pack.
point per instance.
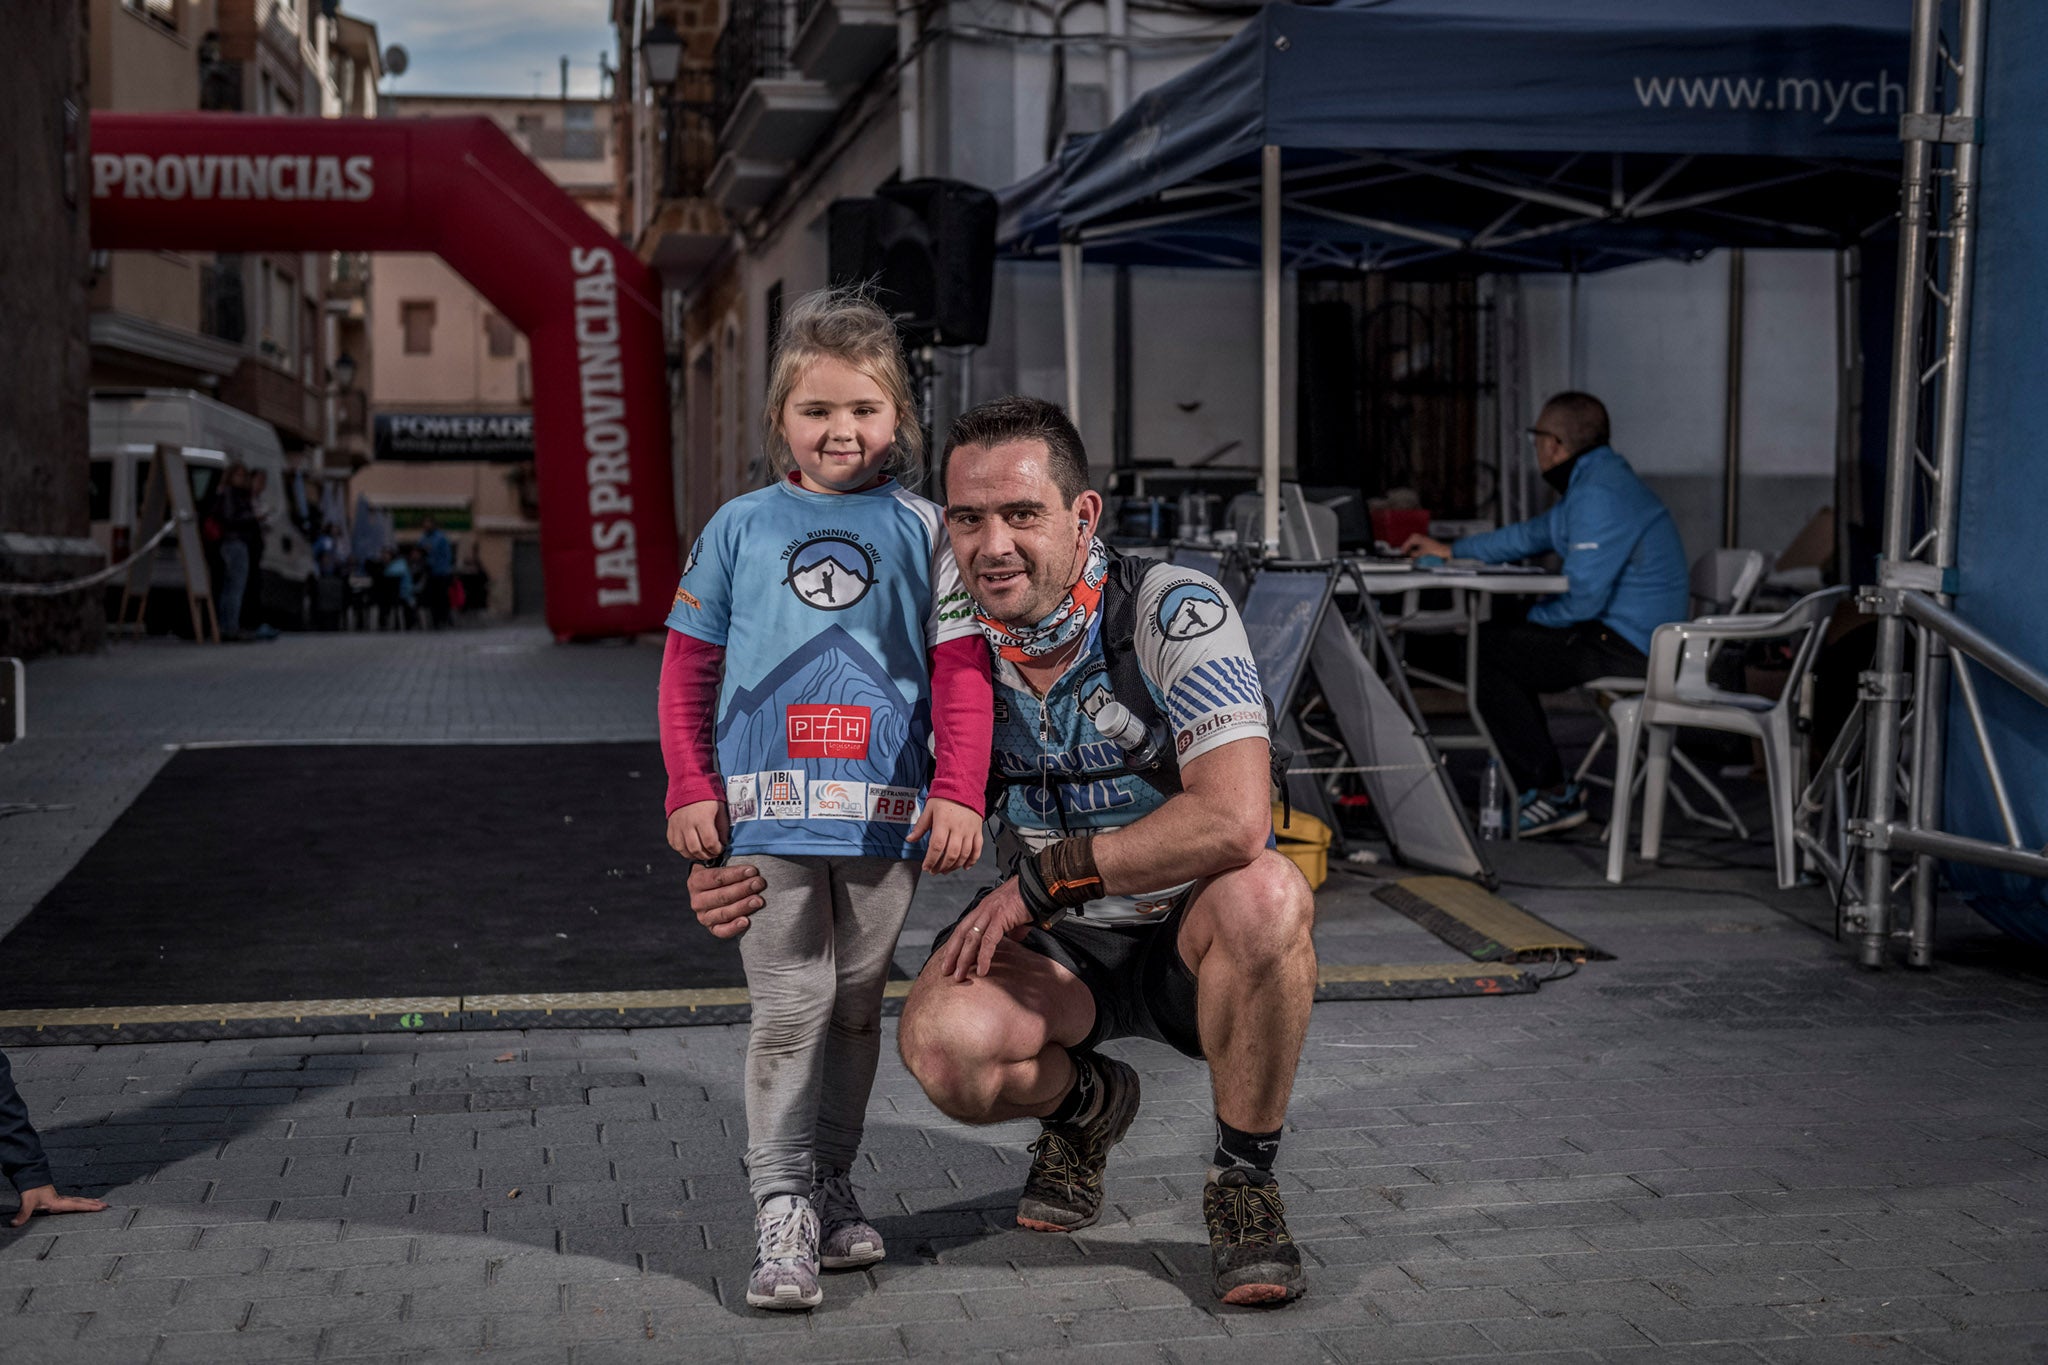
(1152, 759)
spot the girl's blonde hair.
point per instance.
(845, 325)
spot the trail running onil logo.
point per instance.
(1190, 610)
(830, 571)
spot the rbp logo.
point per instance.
(892, 805)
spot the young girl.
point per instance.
(850, 657)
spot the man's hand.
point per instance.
(955, 831)
(723, 898)
(972, 946)
(1420, 544)
(45, 1199)
(698, 831)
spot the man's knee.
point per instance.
(956, 1039)
(1263, 913)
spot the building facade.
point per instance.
(43, 485)
(254, 330)
(780, 107)
(448, 381)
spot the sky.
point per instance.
(492, 47)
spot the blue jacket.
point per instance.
(440, 552)
(1620, 548)
(21, 1151)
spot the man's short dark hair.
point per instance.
(1580, 420)
(1017, 418)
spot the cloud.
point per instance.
(492, 47)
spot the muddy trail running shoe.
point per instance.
(850, 1241)
(785, 1274)
(1064, 1190)
(1252, 1258)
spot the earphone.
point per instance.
(1084, 523)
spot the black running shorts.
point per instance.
(1141, 987)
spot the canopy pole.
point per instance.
(1070, 324)
(1116, 22)
(1848, 400)
(1269, 270)
(1731, 450)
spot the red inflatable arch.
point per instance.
(462, 189)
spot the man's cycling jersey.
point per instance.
(1197, 664)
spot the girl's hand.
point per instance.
(956, 835)
(698, 830)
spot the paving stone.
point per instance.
(1406, 1341)
(1589, 1330)
(200, 1348)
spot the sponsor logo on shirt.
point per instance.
(1219, 720)
(955, 606)
(683, 595)
(836, 800)
(827, 731)
(1189, 611)
(742, 797)
(696, 548)
(892, 805)
(782, 794)
(830, 570)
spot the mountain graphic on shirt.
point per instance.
(829, 581)
(829, 668)
(1195, 616)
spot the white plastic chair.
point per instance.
(1722, 583)
(1678, 694)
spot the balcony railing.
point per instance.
(348, 274)
(754, 46)
(689, 134)
(564, 144)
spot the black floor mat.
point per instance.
(321, 873)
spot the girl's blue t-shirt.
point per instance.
(827, 606)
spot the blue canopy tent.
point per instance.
(1486, 135)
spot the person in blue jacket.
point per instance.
(1626, 565)
(23, 1164)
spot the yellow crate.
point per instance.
(1305, 841)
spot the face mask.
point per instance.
(1559, 475)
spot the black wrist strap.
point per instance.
(1045, 911)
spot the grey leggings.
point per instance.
(817, 955)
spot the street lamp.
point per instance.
(344, 372)
(661, 53)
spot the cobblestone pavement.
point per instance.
(1727, 1145)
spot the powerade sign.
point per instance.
(422, 437)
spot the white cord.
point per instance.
(90, 580)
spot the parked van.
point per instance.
(127, 426)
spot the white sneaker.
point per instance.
(850, 1240)
(786, 1260)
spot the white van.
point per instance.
(128, 425)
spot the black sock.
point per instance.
(1253, 1151)
(1081, 1096)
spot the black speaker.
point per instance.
(880, 244)
(928, 247)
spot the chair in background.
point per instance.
(1677, 693)
(1722, 584)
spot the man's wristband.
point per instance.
(1058, 878)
